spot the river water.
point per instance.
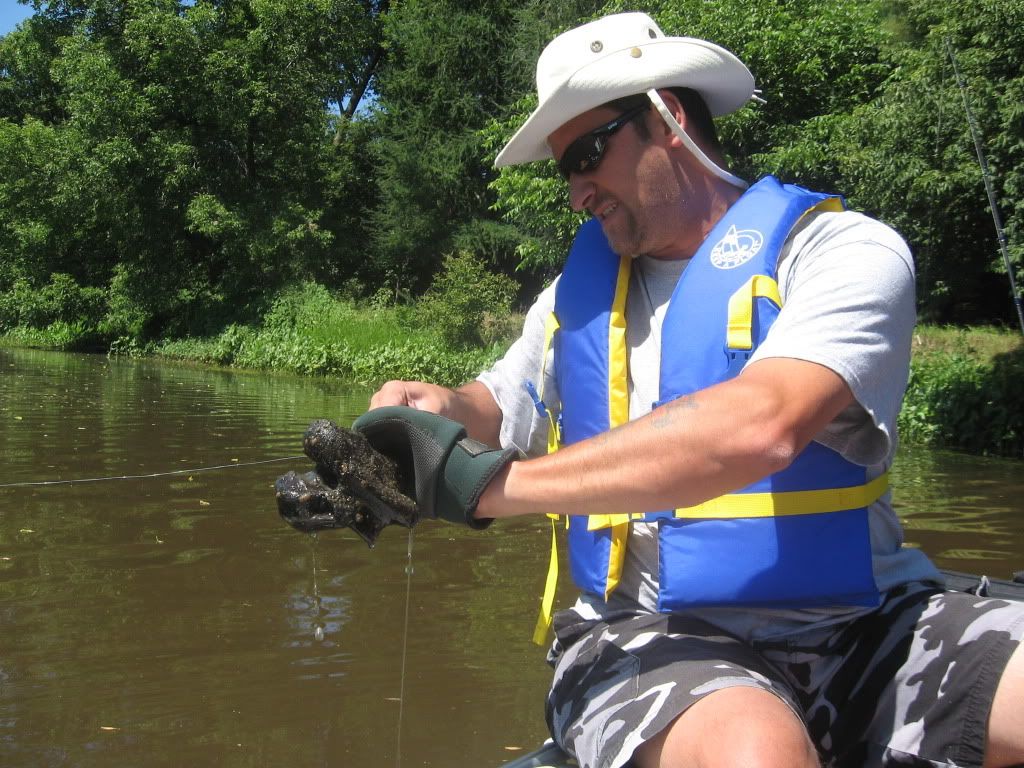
(175, 620)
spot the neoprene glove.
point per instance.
(448, 469)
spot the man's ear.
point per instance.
(675, 108)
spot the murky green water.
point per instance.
(175, 620)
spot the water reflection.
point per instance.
(965, 511)
(174, 620)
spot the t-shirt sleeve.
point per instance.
(521, 424)
(847, 284)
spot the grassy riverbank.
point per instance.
(966, 387)
(313, 333)
(966, 391)
(448, 335)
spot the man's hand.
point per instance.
(471, 405)
(449, 470)
(414, 394)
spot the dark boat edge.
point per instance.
(550, 756)
(986, 586)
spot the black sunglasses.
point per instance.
(585, 153)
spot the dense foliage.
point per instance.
(963, 397)
(309, 331)
(178, 156)
(169, 168)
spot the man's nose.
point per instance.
(581, 192)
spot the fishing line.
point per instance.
(318, 623)
(232, 465)
(1018, 302)
(405, 644)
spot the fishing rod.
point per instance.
(1000, 234)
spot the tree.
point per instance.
(179, 154)
(451, 68)
(910, 157)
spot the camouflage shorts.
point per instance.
(910, 684)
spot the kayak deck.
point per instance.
(548, 756)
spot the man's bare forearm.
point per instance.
(686, 452)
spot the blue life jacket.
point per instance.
(796, 538)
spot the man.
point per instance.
(746, 599)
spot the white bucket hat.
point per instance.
(622, 55)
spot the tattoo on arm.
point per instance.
(664, 415)
(661, 417)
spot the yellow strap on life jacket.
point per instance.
(551, 327)
(834, 204)
(540, 631)
(618, 414)
(785, 503)
(618, 358)
(740, 325)
(737, 505)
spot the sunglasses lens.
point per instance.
(582, 155)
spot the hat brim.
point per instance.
(722, 80)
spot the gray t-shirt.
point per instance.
(847, 284)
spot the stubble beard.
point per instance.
(642, 229)
(627, 236)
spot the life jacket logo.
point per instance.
(737, 248)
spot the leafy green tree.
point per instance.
(910, 157)
(889, 128)
(188, 158)
(532, 198)
(183, 155)
(26, 85)
(451, 67)
(440, 81)
(465, 301)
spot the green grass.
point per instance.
(966, 391)
(312, 332)
(58, 335)
(980, 343)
